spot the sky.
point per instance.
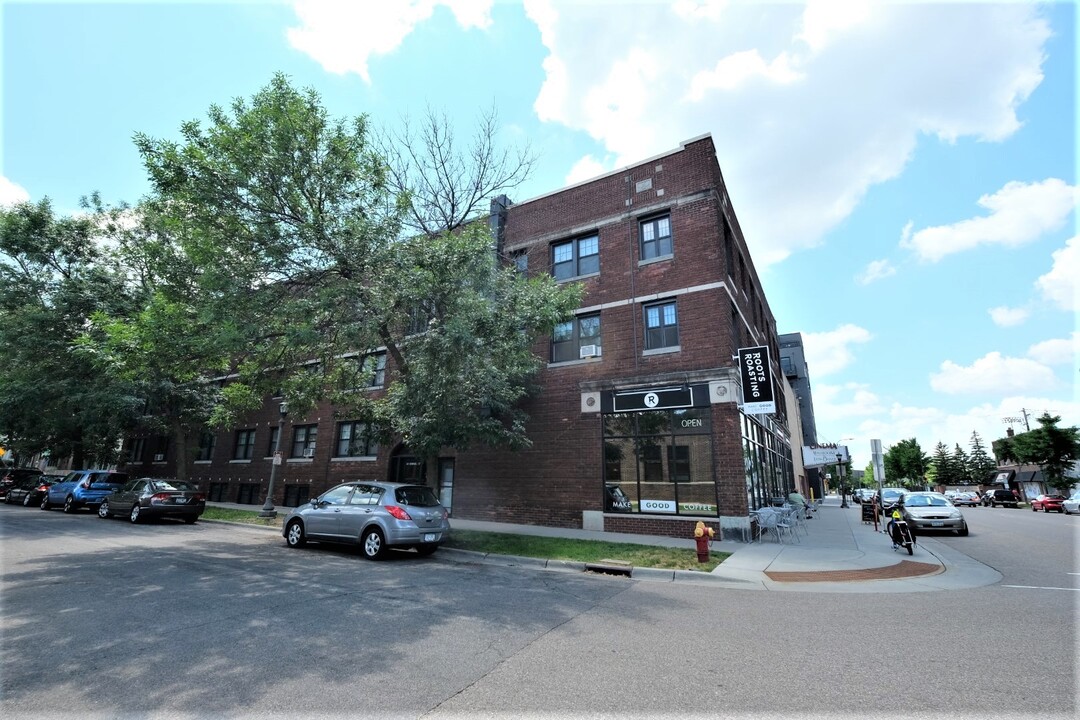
(904, 173)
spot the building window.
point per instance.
(138, 449)
(373, 370)
(661, 326)
(217, 491)
(207, 443)
(304, 437)
(296, 495)
(247, 493)
(354, 440)
(161, 448)
(273, 441)
(245, 445)
(569, 337)
(520, 259)
(575, 258)
(656, 237)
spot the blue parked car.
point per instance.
(83, 488)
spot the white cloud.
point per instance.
(1019, 214)
(11, 193)
(850, 400)
(830, 352)
(876, 270)
(1058, 351)
(1059, 286)
(1007, 316)
(584, 169)
(344, 36)
(827, 96)
(993, 374)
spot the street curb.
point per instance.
(240, 524)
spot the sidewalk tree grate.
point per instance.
(903, 569)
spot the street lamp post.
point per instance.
(268, 510)
(840, 471)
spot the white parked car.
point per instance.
(1072, 505)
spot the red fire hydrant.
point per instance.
(703, 535)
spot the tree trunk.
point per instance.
(183, 457)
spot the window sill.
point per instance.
(202, 462)
(240, 462)
(357, 458)
(661, 258)
(300, 460)
(576, 278)
(582, 361)
(662, 351)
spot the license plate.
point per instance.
(431, 537)
(181, 501)
(936, 523)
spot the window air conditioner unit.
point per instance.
(159, 457)
(588, 351)
(309, 452)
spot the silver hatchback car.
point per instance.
(376, 515)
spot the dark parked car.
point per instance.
(145, 498)
(29, 490)
(999, 496)
(932, 511)
(83, 487)
(1048, 503)
(377, 515)
(891, 498)
(10, 477)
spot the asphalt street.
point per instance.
(108, 619)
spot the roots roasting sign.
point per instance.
(757, 384)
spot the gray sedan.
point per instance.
(377, 515)
(933, 511)
(144, 498)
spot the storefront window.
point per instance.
(659, 462)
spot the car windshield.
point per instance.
(890, 494)
(417, 495)
(926, 501)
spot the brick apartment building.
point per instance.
(638, 427)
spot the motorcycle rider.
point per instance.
(894, 532)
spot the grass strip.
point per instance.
(550, 548)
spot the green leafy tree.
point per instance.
(293, 231)
(868, 476)
(961, 465)
(168, 347)
(54, 275)
(945, 470)
(906, 463)
(980, 463)
(1052, 448)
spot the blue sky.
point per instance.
(905, 174)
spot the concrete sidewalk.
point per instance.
(837, 553)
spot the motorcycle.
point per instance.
(900, 533)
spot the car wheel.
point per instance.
(45, 505)
(103, 510)
(373, 543)
(135, 511)
(1034, 509)
(963, 531)
(7, 499)
(294, 536)
(26, 500)
(426, 549)
(190, 519)
(69, 504)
